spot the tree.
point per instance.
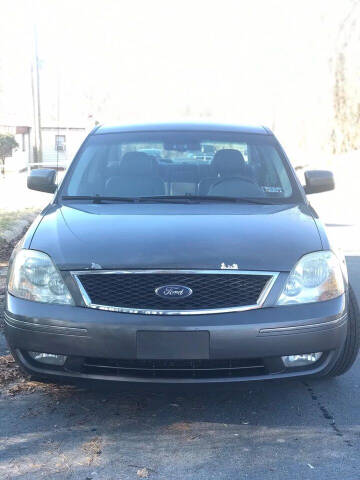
(7, 144)
(345, 134)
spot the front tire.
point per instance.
(352, 342)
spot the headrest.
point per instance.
(137, 163)
(228, 162)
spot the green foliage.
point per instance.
(7, 144)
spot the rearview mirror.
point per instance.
(42, 179)
(318, 181)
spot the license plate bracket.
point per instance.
(173, 345)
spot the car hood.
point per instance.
(191, 236)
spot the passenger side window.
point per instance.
(270, 172)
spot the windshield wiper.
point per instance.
(205, 198)
(100, 198)
(150, 199)
(170, 199)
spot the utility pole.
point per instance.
(34, 157)
(37, 103)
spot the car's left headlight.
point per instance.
(316, 277)
(34, 276)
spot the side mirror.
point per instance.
(42, 179)
(318, 181)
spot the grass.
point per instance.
(9, 218)
(12, 225)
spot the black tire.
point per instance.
(352, 342)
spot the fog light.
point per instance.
(48, 358)
(301, 360)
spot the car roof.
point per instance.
(166, 127)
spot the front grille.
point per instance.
(174, 368)
(136, 291)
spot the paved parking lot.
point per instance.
(285, 430)
(274, 430)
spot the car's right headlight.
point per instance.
(34, 276)
(316, 277)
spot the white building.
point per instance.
(59, 145)
(22, 155)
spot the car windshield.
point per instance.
(166, 164)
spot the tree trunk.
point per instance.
(2, 163)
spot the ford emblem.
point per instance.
(173, 291)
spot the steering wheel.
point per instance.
(224, 181)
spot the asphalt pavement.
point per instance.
(301, 429)
(274, 430)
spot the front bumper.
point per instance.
(266, 333)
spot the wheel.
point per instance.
(352, 342)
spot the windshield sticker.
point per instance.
(272, 189)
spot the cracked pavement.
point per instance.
(299, 429)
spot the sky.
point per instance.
(259, 61)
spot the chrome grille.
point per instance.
(214, 291)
